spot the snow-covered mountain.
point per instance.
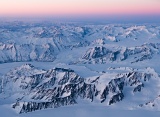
(60, 87)
(102, 54)
(42, 42)
(50, 65)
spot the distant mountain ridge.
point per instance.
(114, 65)
(42, 42)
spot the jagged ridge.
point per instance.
(60, 87)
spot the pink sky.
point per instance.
(78, 7)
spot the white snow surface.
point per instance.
(33, 48)
(80, 111)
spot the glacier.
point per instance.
(48, 67)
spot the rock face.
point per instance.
(38, 42)
(26, 52)
(102, 54)
(154, 104)
(77, 46)
(61, 87)
(33, 106)
(116, 98)
(21, 42)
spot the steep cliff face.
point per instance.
(39, 89)
(54, 88)
(43, 42)
(95, 54)
(102, 54)
(26, 52)
(19, 80)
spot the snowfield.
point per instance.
(81, 111)
(78, 70)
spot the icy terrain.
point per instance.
(87, 70)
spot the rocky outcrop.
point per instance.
(61, 87)
(138, 88)
(26, 52)
(151, 104)
(33, 106)
(102, 54)
(116, 98)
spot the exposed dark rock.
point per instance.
(138, 88)
(59, 87)
(104, 94)
(56, 102)
(116, 98)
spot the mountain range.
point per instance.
(54, 65)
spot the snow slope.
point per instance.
(81, 111)
(91, 70)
